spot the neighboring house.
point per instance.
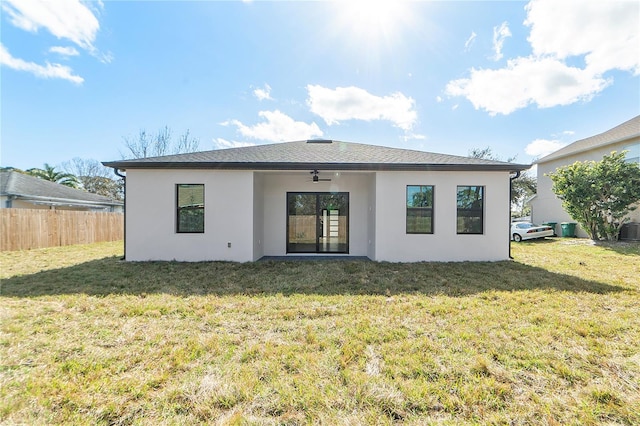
(317, 197)
(22, 191)
(545, 206)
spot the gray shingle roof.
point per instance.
(627, 130)
(25, 186)
(315, 154)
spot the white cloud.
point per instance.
(69, 19)
(353, 103)
(220, 143)
(64, 51)
(500, 34)
(546, 82)
(42, 71)
(470, 41)
(606, 32)
(438, 99)
(543, 147)
(263, 94)
(413, 136)
(278, 127)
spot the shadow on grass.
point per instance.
(112, 276)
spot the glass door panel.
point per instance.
(333, 217)
(301, 223)
(317, 222)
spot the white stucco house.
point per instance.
(545, 206)
(316, 197)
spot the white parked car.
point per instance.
(527, 231)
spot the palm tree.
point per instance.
(49, 173)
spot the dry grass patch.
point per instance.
(549, 338)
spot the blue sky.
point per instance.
(523, 78)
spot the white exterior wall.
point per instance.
(393, 244)
(249, 210)
(277, 184)
(371, 231)
(546, 207)
(151, 216)
(258, 216)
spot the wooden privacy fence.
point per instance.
(302, 229)
(23, 229)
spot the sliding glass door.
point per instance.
(317, 222)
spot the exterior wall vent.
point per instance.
(319, 141)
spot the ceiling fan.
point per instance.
(316, 178)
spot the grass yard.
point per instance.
(550, 338)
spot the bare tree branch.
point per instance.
(186, 144)
(95, 178)
(146, 145)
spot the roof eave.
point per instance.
(73, 201)
(306, 166)
(552, 156)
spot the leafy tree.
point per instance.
(521, 189)
(51, 174)
(598, 195)
(95, 178)
(107, 187)
(487, 154)
(422, 199)
(158, 144)
(11, 169)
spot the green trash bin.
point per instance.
(553, 226)
(568, 229)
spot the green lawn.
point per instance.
(549, 338)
